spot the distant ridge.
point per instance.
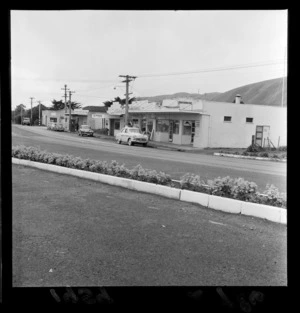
(267, 92)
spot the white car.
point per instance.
(131, 135)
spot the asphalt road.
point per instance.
(71, 231)
(172, 162)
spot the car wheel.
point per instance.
(130, 142)
(144, 144)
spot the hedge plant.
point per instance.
(235, 188)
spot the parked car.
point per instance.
(52, 126)
(131, 136)
(59, 127)
(85, 130)
(26, 121)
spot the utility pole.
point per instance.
(127, 81)
(39, 113)
(31, 98)
(21, 114)
(70, 93)
(65, 96)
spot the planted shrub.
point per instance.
(192, 182)
(263, 154)
(236, 188)
(103, 167)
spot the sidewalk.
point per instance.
(166, 145)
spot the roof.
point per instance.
(99, 108)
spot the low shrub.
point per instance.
(192, 182)
(236, 188)
(255, 148)
(263, 154)
(102, 167)
(282, 148)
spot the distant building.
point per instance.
(95, 116)
(203, 123)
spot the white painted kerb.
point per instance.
(270, 213)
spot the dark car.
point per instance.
(85, 130)
(26, 121)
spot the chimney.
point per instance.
(238, 99)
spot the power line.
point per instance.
(213, 69)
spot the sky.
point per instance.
(168, 52)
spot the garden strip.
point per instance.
(214, 202)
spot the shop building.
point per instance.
(95, 116)
(204, 124)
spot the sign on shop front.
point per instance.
(97, 115)
(80, 112)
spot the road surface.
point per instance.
(172, 162)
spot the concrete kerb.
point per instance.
(165, 191)
(248, 157)
(270, 213)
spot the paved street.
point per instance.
(71, 231)
(172, 162)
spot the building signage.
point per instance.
(197, 123)
(53, 114)
(80, 112)
(97, 115)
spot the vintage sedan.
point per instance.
(52, 126)
(59, 127)
(131, 136)
(85, 130)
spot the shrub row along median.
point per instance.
(235, 188)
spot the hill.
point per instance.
(267, 92)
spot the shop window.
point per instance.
(117, 124)
(176, 127)
(249, 119)
(66, 119)
(187, 128)
(135, 123)
(227, 118)
(53, 119)
(162, 126)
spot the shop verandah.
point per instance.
(174, 127)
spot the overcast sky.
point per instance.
(88, 50)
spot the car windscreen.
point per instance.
(134, 130)
(85, 127)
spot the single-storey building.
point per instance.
(203, 123)
(95, 116)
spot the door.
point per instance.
(259, 134)
(193, 131)
(112, 127)
(171, 125)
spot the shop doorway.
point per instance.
(193, 132)
(171, 125)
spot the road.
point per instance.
(172, 162)
(71, 231)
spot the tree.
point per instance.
(118, 99)
(18, 112)
(60, 104)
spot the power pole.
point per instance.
(39, 113)
(65, 96)
(21, 114)
(127, 81)
(31, 98)
(70, 93)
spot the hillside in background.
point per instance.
(267, 92)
